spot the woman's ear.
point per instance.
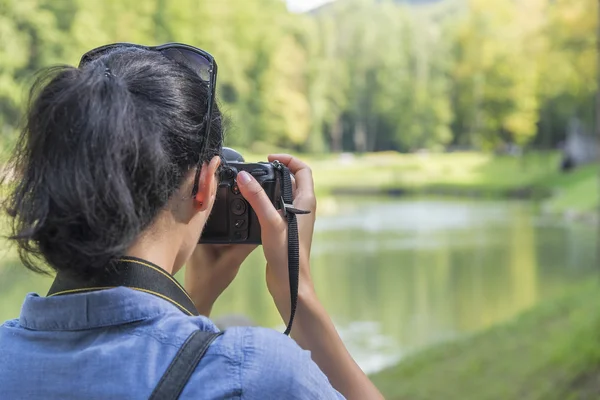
(206, 181)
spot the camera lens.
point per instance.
(238, 206)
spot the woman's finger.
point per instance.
(301, 171)
(293, 163)
(259, 201)
(293, 186)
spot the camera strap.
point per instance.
(293, 243)
(131, 272)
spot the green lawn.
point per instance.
(578, 191)
(420, 171)
(549, 353)
(535, 175)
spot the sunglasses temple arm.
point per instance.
(211, 99)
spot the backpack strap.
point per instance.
(183, 365)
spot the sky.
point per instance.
(304, 5)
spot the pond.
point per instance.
(399, 275)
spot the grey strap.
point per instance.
(183, 365)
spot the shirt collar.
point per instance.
(93, 310)
(130, 272)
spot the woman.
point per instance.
(117, 165)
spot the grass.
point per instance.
(578, 191)
(466, 169)
(536, 176)
(551, 352)
(421, 171)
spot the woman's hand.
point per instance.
(274, 230)
(313, 329)
(210, 270)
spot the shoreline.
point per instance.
(517, 193)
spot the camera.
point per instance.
(232, 220)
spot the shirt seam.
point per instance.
(104, 324)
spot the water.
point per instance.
(400, 275)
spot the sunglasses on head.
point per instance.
(198, 60)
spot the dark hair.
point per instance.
(104, 148)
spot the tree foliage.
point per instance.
(355, 75)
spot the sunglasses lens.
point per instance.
(196, 62)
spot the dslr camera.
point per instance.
(232, 220)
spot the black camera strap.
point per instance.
(293, 242)
(133, 273)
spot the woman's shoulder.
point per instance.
(272, 362)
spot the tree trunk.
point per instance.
(372, 133)
(336, 136)
(360, 137)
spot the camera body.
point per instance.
(232, 220)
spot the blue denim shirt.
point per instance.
(117, 343)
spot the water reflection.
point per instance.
(399, 275)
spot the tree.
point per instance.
(356, 75)
(496, 73)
